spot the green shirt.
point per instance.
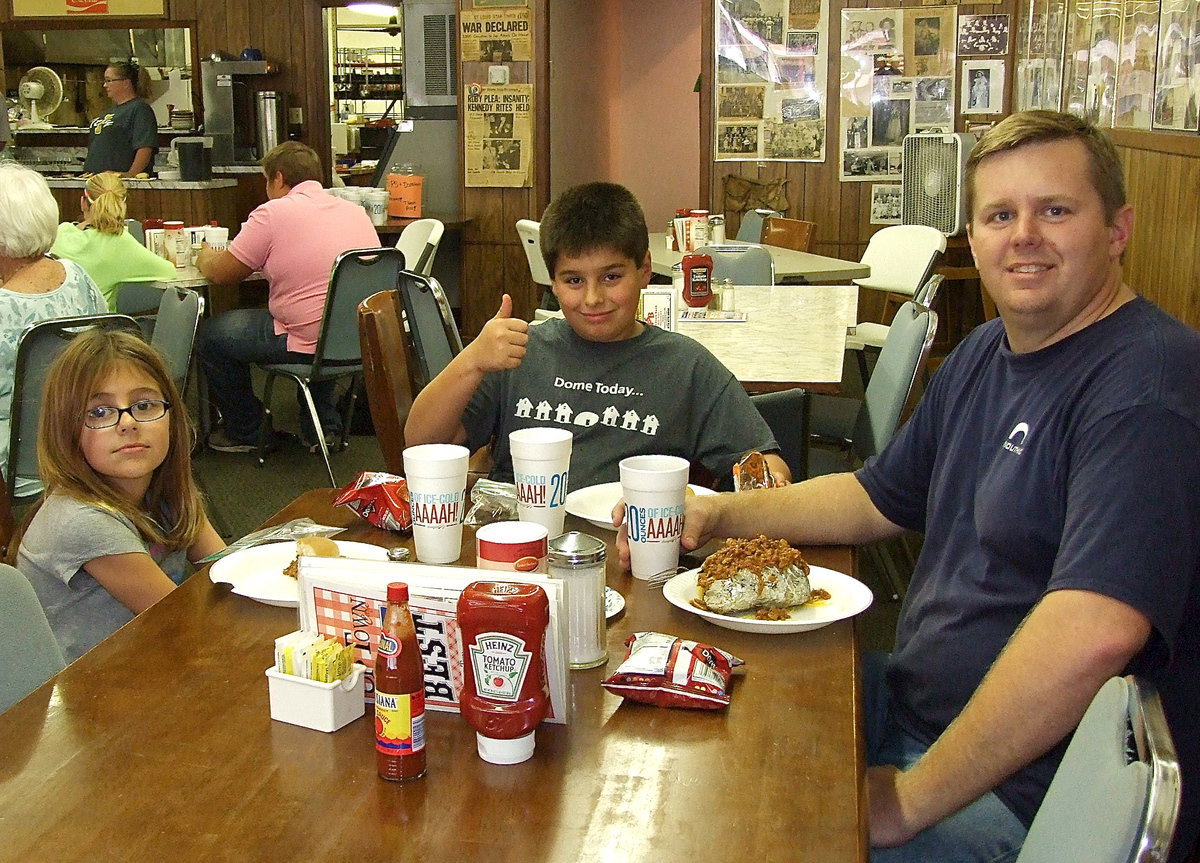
(110, 259)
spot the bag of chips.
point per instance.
(380, 498)
(673, 672)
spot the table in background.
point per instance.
(788, 263)
(793, 336)
(158, 745)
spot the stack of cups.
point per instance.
(653, 487)
(437, 491)
(216, 237)
(376, 202)
(541, 460)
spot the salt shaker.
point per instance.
(727, 296)
(578, 560)
(716, 230)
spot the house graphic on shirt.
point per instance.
(563, 413)
(650, 425)
(543, 411)
(524, 407)
(610, 416)
(631, 420)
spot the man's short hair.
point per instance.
(297, 162)
(1033, 127)
(593, 217)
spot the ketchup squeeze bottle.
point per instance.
(399, 692)
(697, 280)
(505, 694)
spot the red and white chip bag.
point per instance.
(380, 498)
(673, 672)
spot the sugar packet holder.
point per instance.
(289, 530)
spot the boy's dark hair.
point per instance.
(594, 216)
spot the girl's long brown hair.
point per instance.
(172, 512)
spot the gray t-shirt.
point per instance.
(63, 536)
(657, 393)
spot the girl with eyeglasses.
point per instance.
(121, 517)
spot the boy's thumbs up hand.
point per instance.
(502, 342)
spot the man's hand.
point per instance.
(885, 802)
(502, 342)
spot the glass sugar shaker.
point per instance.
(716, 230)
(578, 560)
(727, 296)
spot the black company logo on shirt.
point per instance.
(1016, 438)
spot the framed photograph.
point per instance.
(885, 204)
(982, 87)
(1176, 89)
(1135, 70)
(982, 35)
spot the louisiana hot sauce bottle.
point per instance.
(399, 692)
(505, 694)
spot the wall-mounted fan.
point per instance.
(40, 93)
(933, 194)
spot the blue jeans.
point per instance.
(986, 831)
(228, 345)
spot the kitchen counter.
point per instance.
(131, 183)
(237, 169)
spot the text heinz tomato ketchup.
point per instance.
(505, 695)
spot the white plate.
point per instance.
(596, 502)
(613, 603)
(257, 572)
(848, 596)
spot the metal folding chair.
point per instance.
(29, 653)
(179, 313)
(1115, 795)
(40, 344)
(357, 274)
(419, 243)
(430, 325)
(741, 264)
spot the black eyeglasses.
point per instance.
(111, 80)
(107, 416)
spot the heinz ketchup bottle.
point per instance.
(399, 692)
(505, 694)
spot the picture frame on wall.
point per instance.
(982, 87)
(1176, 88)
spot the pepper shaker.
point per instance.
(578, 560)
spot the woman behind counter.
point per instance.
(101, 244)
(123, 139)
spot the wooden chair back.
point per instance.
(795, 234)
(386, 373)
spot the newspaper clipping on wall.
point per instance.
(498, 135)
(502, 36)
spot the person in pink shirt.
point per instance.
(294, 239)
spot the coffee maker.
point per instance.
(233, 113)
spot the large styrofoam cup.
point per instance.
(437, 491)
(541, 460)
(653, 487)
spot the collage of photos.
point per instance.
(897, 78)
(770, 94)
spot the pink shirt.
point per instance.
(294, 240)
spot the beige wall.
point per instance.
(622, 102)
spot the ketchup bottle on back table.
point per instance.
(399, 692)
(697, 280)
(505, 694)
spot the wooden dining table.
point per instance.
(788, 263)
(158, 745)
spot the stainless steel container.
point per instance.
(270, 114)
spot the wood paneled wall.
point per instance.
(1162, 176)
(493, 261)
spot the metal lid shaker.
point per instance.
(578, 559)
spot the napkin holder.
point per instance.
(316, 705)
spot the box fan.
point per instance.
(933, 193)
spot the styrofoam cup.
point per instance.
(437, 491)
(653, 487)
(541, 460)
(217, 238)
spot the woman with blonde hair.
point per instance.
(101, 244)
(122, 516)
(33, 286)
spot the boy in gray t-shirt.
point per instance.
(622, 387)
